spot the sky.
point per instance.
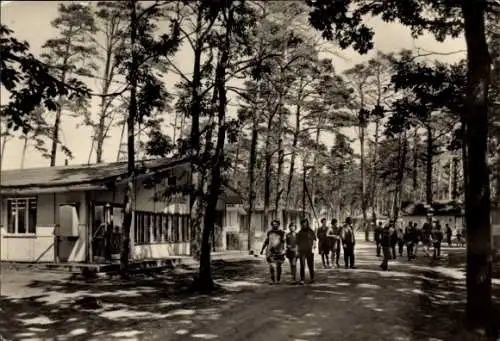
(30, 21)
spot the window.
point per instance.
(21, 216)
(186, 228)
(160, 228)
(175, 228)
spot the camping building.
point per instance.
(67, 213)
(447, 212)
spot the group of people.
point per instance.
(431, 234)
(330, 239)
(280, 245)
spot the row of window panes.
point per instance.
(160, 228)
(21, 216)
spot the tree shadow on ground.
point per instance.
(61, 312)
(363, 304)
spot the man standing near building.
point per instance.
(348, 243)
(306, 239)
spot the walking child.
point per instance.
(275, 250)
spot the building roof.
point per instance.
(439, 208)
(85, 176)
(76, 175)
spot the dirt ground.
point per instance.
(411, 302)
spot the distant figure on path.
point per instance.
(275, 253)
(333, 236)
(427, 236)
(417, 238)
(378, 237)
(348, 242)
(305, 244)
(449, 234)
(323, 246)
(386, 247)
(401, 240)
(292, 251)
(437, 238)
(411, 238)
(394, 238)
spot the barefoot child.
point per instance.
(275, 250)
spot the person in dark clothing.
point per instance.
(394, 238)
(378, 237)
(386, 247)
(348, 242)
(333, 235)
(437, 238)
(291, 250)
(411, 240)
(306, 239)
(427, 236)
(401, 240)
(323, 247)
(449, 234)
(275, 250)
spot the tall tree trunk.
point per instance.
(314, 170)
(294, 147)
(25, 148)
(105, 103)
(375, 173)
(279, 171)
(280, 133)
(131, 119)
(251, 170)
(429, 159)
(363, 181)
(196, 202)
(55, 137)
(402, 151)
(268, 157)
(205, 281)
(121, 139)
(57, 122)
(414, 171)
(454, 179)
(304, 185)
(480, 312)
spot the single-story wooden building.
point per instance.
(69, 213)
(447, 212)
(238, 234)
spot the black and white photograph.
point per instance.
(250, 170)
